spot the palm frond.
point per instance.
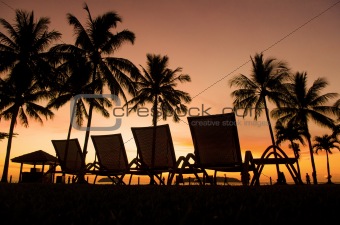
(117, 40)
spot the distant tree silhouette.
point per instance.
(3, 135)
(157, 86)
(28, 74)
(263, 85)
(326, 142)
(290, 132)
(302, 104)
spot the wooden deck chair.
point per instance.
(112, 158)
(216, 146)
(71, 158)
(156, 154)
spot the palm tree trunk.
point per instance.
(81, 178)
(315, 181)
(328, 169)
(69, 133)
(297, 161)
(71, 121)
(154, 123)
(9, 146)
(271, 136)
(155, 113)
(88, 129)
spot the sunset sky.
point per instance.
(212, 41)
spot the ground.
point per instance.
(148, 204)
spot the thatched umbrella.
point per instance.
(38, 157)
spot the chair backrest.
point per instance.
(215, 139)
(111, 152)
(155, 147)
(69, 155)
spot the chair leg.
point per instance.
(120, 179)
(187, 163)
(130, 179)
(95, 178)
(159, 177)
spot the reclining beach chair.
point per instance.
(216, 146)
(156, 154)
(112, 158)
(71, 158)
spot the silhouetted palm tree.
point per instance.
(290, 132)
(157, 86)
(22, 105)
(303, 103)
(263, 85)
(336, 130)
(96, 43)
(326, 142)
(337, 104)
(296, 149)
(75, 80)
(3, 135)
(23, 56)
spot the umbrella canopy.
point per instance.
(36, 158)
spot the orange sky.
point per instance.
(212, 41)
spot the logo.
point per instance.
(73, 112)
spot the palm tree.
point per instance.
(336, 130)
(24, 62)
(96, 43)
(22, 105)
(302, 104)
(326, 142)
(157, 86)
(337, 103)
(290, 132)
(75, 77)
(3, 135)
(262, 86)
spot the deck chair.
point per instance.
(216, 146)
(71, 158)
(156, 154)
(112, 158)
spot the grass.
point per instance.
(145, 204)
